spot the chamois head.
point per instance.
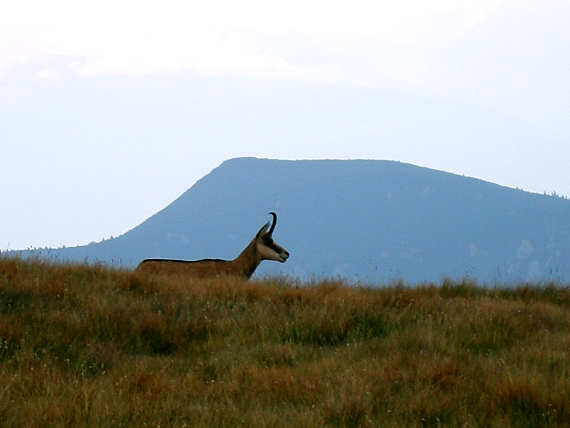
(266, 247)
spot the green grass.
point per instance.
(84, 345)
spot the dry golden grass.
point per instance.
(84, 345)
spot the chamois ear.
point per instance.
(263, 230)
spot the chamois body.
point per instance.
(262, 247)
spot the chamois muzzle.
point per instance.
(283, 255)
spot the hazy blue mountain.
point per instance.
(360, 219)
(142, 139)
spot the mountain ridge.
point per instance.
(366, 220)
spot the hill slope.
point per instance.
(367, 220)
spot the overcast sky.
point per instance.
(224, 36)
(93, 136)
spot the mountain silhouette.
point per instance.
(365, 220)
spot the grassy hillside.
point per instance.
(84, 345)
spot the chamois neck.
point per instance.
(248, 260)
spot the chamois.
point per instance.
(262, 247)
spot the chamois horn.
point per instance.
(273, 223)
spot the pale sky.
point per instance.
(61, 63)
(222, 36)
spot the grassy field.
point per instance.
(84, 345)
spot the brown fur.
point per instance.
(262, 247)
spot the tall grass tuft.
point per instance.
(85, 345)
